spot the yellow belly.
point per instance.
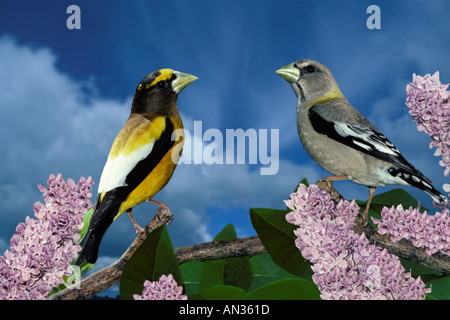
(157, 179)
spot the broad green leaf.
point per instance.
(230, 271)
(191, 272)
(277, 236)
(286, 289)
(219, 292)
(153, 258)
(394, 198)
(266, 271)
(418, 269)
(388, 199)
(440, 288)
(227, 233)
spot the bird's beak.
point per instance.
(289, 73)
(182, 81)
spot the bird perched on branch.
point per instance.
(140, 161)
(341, 140)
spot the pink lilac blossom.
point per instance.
(164, 289)
(431, 232)
(345, 264)
(429, 104)
(43, 247)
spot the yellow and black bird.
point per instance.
(140, 162)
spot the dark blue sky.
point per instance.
(66, 93)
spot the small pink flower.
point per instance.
(43, 247)
(429, 104)
(164, 289)
(345, 264)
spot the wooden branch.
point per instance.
(109, 276)
(220, 249)
(403, 248)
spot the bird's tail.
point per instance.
(413, 177)
(90, 245)
(423, 183)
(437, 196)
(104, 213)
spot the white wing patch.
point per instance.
(117, 169)
(369, 139)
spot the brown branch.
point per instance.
(220, 249)
(109, 276)
(403, 248)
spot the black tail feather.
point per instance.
(104, 213)
(437, 196)
(90, 246)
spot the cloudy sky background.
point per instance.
(66, 93)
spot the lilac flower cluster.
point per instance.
(431, 232)
(345, 264)
(429, 104)
(43, 247)
(164, 289)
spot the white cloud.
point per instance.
(52, 126)
(49, 125)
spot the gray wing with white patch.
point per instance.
(351, 128)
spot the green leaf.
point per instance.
(304, 181)
(418, 269)
(394, 198)
(153, 258)
(391, 198)
(86, 221)
(277, 236)
(230, 271)
(227, 233)
(388, 199)
(266, 271)
(440, 288)
(191, 272)
(219, 292)
(287, 289)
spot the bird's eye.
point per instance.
(310, 69)
(161, 84)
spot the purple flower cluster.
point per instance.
(429, 104)
(43, 247)
(164, 289)
(431, 232)
(345, 264)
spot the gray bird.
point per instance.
(341, 140)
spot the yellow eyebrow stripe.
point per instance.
(165, 75)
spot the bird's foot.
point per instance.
(137, 227)
(163, 213)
